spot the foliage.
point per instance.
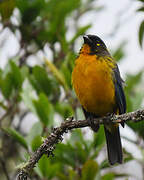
(141, 27)
(44, 90)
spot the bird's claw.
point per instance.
(92, 124)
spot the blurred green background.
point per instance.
(36, 92)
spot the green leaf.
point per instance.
(99, 138)
(16, 75)
(62, 176)
(17, 136)
(6, 8)
(29, 9)
(108, 176)
(89, 170)
(58, 75)
(64, 109)
(24, 72)
(104, 164)
(80, 145)
(11, 79)
(141, 33)
(81, 153)
(1, 73)
(46, 168)
(76, 138)
(3, 106)
(141, 0)
(66, 154)
(113, 176)
(141, 8)
(56, 12)
(40, 81)
(6, 85)
(36, 142)
(71, 175)
(44, 109)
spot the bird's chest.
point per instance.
(93, 84)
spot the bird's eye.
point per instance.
(98, 44)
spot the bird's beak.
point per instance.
(87, 40)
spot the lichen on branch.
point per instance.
(56, 136)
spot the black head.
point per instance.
(97, 46)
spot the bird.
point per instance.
(98, 86)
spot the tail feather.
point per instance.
(114, 146)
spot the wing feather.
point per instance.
(119, 92)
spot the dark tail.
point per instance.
(114, 146)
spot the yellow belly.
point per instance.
(93, 84)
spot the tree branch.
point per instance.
(56, 136)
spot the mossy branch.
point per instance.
(56, 136)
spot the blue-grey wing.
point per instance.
(119, 92)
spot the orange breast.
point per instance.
(93, 84)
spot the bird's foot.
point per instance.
(110, 115)
(93, 125)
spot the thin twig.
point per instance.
(56, 136)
